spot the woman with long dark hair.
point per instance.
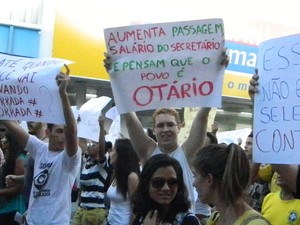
(161, 196)
(11, 199)
(125, 178)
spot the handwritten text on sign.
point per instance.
(28, 89)
(166, 65)
(277, 106)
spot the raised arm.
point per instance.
(70, 129)
(253, 83)
(197, 135)
(214, 128)
(101, 141)
(142, 143)
(19, 133)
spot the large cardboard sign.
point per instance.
(277, 105)
(166, 64)
(28, 89)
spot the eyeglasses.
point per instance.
(158, 183)
(168, 124)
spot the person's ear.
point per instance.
(47, 131)
(210, 179)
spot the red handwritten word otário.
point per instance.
(186, 90)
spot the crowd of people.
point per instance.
(147, 179)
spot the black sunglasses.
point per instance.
(158, 182)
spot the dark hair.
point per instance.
(251, 134)
(142, 203)
(127, 162)
(212, 137)
(50, 126)
(229, 166)
(15, 148)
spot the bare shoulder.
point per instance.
(133, 176)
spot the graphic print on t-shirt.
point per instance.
(41, 179)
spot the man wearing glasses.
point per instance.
(166, 127)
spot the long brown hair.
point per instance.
(229, 166)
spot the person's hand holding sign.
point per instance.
(63, 79)
(107, 62)
(225, 58)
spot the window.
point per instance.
(20, 26)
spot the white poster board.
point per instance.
(114, 131)
(232, 136)
(166, 64)
(28, 89)
(276, 137)
(89, 112)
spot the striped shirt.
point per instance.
(94, 181)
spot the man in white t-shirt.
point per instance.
(166, 128)
(56, 165)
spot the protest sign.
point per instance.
(232, 136)
(115, 128)
(89, 112)
(277, 107)
(112, 113)
(28, 89)
(166, 64)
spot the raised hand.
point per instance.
(253, 83)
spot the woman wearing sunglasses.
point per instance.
(161, 197)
